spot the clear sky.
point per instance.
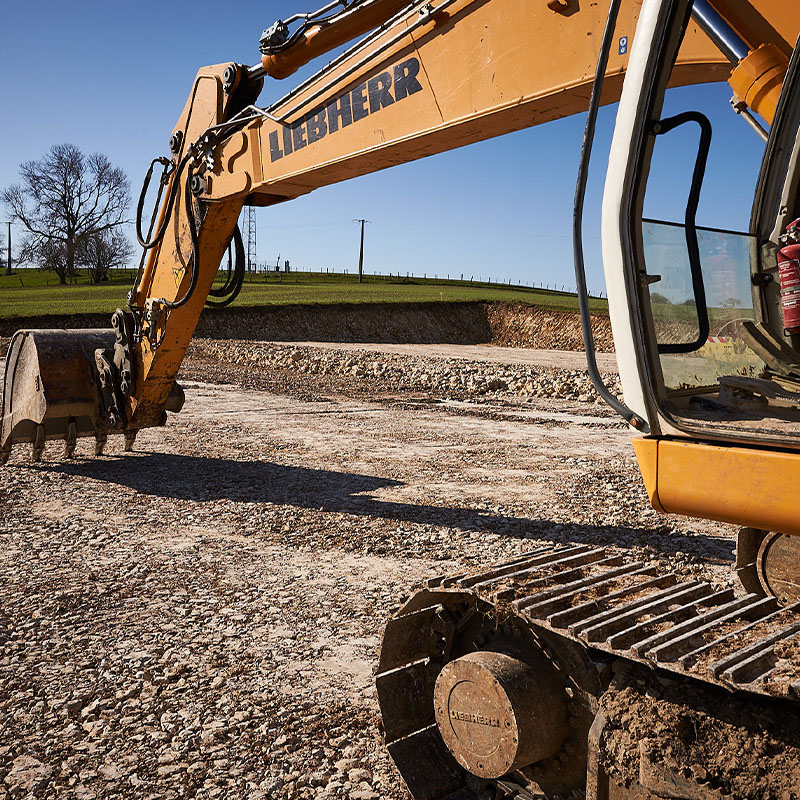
(112, 77)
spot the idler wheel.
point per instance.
(497, 714)
(778, 559)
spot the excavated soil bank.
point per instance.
(403, 323)
(528, 326)
(678, 733)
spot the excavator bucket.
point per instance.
(51, 389)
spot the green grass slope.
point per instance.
(30, 293)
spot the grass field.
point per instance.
(30, 293)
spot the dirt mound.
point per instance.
(732, 746)
(528, 326)
(450, 378)
(401, 323)
(397, 323)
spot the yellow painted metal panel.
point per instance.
(646, 449)
(478, 70)
(741, 485)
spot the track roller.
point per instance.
(497, 713)
(768, 563)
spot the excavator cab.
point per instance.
(705, 318)
(559, 648)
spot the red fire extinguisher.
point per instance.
(789, 268)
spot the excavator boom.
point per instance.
(430, 77)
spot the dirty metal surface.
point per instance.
(49, 388)
(497, 713)
(605, 608)
(777, 560)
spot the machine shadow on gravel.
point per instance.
(203, 479)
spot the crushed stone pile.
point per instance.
(450, 378)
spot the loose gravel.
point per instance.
(201, 618)
(445, 378)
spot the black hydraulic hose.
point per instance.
(149, 243)
(231, 288)
(172, 194)
(192, 222)
(577, 230)
(235, 280)
(230, 275)
(234, 267)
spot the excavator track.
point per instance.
(589, 612)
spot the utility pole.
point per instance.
(361, 251)
(8, 258)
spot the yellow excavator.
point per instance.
(569, 671)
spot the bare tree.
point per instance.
(64, 199)
(103, 251)
(47, 254)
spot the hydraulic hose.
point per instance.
(235, 276)
(577, 226)
(192, 222)
(171, 197)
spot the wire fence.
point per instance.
(289, 273)
(267, 273)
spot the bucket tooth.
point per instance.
(5, 452)
(100, 440)
(130, 438)
(37, 445)
(70, 440)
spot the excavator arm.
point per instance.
(431, 78)
(427, 77)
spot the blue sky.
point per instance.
(113, 77)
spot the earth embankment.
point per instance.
(400, 323)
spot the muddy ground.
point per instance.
(200, 618)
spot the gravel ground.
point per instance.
(478, 352)
(201, 618)
(419, 368)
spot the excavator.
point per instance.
(569, 671)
